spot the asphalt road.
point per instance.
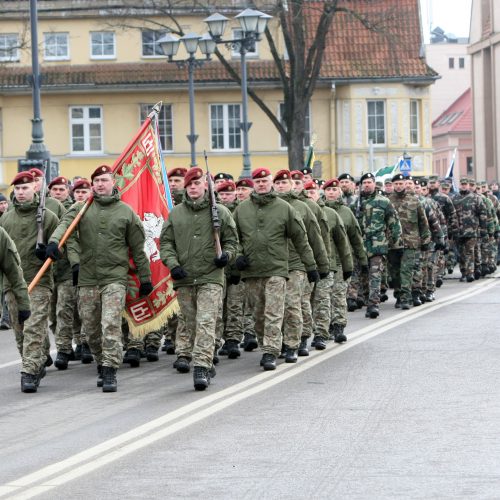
(409, 407)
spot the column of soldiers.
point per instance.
(296, 256)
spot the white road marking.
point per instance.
(172, 422)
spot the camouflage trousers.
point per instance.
(453, 255)
(31, 336)
(248, 307)
(172, 324)
(268, 301)
(373, 280)
(65, 299)
(200, 306)
(402, 275)
(230, 317)
(466, 255)
(292, 319)
(101, 309)
(338, 300)
(152, 339)
(478, 258)
(418, 271)
(488, 257)
(78, 335)
(321, 306)
(355, 286)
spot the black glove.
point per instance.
(242, 263)
(145, 289)
(364, 269)
(40, 250)
(346, 275)
(234, 279)
(312, 276)
(322, 276)
(222, 260)
(425, 247)
(178, 273)
(440, 245)
(52, 251)
(75, 271)
(22, 316)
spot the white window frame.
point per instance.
(308, 133)
(375, 144)
(416, 103)
(65, 57)
(166, 115)
(86, 121)
(158, 34)
(235, 54)
(102, 44)
(10, 49)
(225, 121)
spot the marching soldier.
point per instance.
(21, 225)
(176, 183)
(100, 258)
(187, 249)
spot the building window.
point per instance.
(235, 52)
(307, 126)
(414, 122)
(225, 126)
(9, 47)
(56, 46)
(461, 62)
(376, 122)
(86, 129)
(150, 46)
(470, 166)
(165, 124)
(451, 62)
(102, 45)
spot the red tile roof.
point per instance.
(390, 51)
(457, 118)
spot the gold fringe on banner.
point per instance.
(154, 324)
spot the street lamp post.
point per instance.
(253, 24)
(170, 46)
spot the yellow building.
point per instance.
(99, 79)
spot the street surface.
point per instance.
(409, 407)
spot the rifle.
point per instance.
(213, 210)
(40, 211)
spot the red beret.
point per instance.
(59, 181)
(282, 174)
(227, 186)
(297, 175)
(192, 174)
(81, 184)
(103, 169)
(248, 183)
(310, 185)
(36, 172)
(331, 183)
(22, 178)
(177, 172)
(260, 172)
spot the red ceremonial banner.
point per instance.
(138, 176)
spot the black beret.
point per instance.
(368, 175)
(345, 176)
(398, 177)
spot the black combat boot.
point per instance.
(182, 364)
(233, 351)
(470, 278)
(303, 350)
(152, 353)
(87, 357)
(49, 361)
(290, 355)
(109, 383)
(360, 303)
(268, 362)
(62, 360)
(477, 274)
(78, 352)
(168, 347)
(352, 305)
(372, 312)
(405, 306)
(223, 350)
(29, 382)
(416, 299)
(72, 356)
(339, 333)
(99, 375)
(250, 342)
(201, 378)
(133, 357)
(383, 296)
(429, 296)
(439, 283)
(397, 305)
(283, 350)
(319, 343)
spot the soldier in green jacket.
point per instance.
(187, 249)
(265, 223)
(100, 262)
(21, 224)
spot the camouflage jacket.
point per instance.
(434, 218)
(340, 255)
(471, 214)
(491, 216)
(62, 267)
(380, 225)
(448, 210)
(414, 224)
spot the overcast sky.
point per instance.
(453, 16)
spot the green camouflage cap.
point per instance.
(433, 178)
(464, 180)
(472, 181)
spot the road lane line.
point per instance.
(170, 423)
